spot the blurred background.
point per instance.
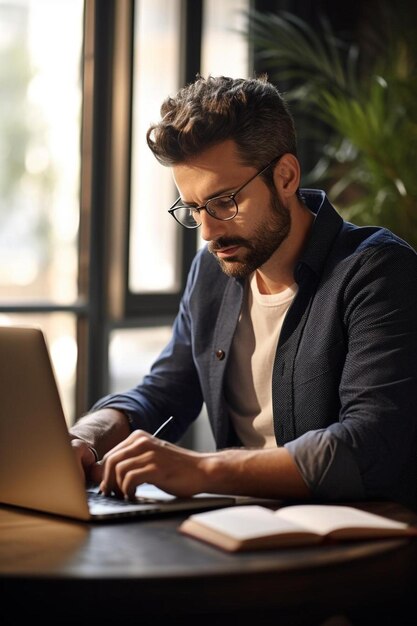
(87, 250)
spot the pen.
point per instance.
(163, 426)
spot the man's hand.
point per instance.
(103, 429)
(142, 458)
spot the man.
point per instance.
(298, 330)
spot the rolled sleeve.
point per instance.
(327, 466)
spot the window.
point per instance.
(224, 49)
(40, 122)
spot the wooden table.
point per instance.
(145, 572)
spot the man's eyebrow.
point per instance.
(187, 204)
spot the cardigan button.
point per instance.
(220, 354)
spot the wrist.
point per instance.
(94, 451)
(78, 441)
(218, 471)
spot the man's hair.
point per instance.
(251, 112)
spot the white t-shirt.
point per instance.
(249, 370)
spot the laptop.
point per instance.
(38, 469)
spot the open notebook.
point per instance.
(37, 465)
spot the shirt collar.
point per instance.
(326, 227)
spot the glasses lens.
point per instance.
(187, 217)
(222, 208)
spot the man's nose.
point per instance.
(211, 228)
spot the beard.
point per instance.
(266, 239)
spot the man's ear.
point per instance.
(287, 174)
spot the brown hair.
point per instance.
(251, 112)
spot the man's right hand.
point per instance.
(104, 428)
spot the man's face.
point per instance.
(247, 242)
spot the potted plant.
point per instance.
(360, 103)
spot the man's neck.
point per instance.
(277, 273)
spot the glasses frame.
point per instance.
(230, 196)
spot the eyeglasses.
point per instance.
(223, 208)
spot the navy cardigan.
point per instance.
(344, 383)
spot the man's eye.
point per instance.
(223, 203)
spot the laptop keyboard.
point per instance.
(111, 501)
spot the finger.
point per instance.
(136, 476)
(113, 463)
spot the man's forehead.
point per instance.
(216, 170)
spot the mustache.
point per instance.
(227, 242)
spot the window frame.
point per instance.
(141, 305)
